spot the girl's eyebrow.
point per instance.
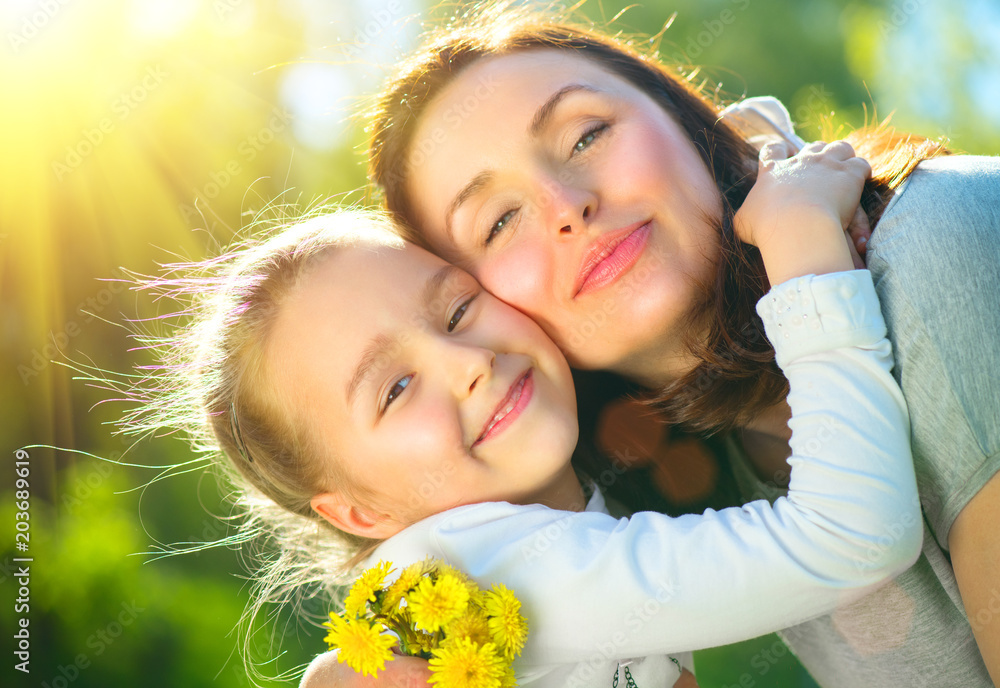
(381, 344)
(538, 123)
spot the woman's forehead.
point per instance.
(487, 115)
(510, 73)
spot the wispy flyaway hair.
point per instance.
(212, 383)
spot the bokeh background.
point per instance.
(133, 132)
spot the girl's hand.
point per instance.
(686, 680)
(798, 210)
(402, 672)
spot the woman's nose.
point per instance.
(567, 207)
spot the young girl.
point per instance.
(357, 379)
(523, 149)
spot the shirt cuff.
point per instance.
(815, 313)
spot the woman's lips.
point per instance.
(611, 257)
(510, 408)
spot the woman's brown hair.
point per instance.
(737, 377)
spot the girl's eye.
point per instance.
(456, 317)
(589, 138)
(396, 390)
(499, 226)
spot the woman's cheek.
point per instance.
(519, 277)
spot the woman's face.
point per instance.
(571, 195)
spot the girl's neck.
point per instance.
(564, 493)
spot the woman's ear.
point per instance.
(345, 515)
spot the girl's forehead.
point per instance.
(352, 300)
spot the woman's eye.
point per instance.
(499, 226)
(456, 317)
(589, 138)
(396, 390)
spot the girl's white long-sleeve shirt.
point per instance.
(598, 590)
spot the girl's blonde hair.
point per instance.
(213, 383)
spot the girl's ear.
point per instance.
(349, 517)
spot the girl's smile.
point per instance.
(510, 407)
(430, 392)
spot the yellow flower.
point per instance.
(472, 625)
(407, 580)
(508, 680)
(332, 624)
(424, 642)
(362, 646)
(508, 628)
(435, 603)
(365, 587)
(470, 585)
(462, 663)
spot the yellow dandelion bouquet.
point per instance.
(471, 636)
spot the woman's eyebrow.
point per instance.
(544, 113)
(468, 191)
(538, 123)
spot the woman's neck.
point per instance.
(655, 370)
(765, 441)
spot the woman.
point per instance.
(594, 189)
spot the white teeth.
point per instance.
(502, 413)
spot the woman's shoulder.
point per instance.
(950, 185)
(946, 212)
(946, 171)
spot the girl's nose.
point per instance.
(469, 366)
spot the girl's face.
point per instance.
(428, 392)
(571, 195)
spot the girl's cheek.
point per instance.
(428, 435)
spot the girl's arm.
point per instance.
(593, 586)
